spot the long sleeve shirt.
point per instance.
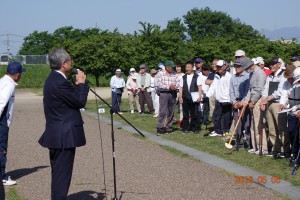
(257, 83)
(7, 97)
(221, 87)
(239, 87)
(286, 90)
(164, 80)
(130, 84)
(117, 83)
(278, 77)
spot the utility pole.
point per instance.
(7, 44)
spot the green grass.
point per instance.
(212, 145)
(35, 76)
(12, 194)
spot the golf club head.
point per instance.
(228, 146)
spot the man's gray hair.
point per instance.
(57, 57)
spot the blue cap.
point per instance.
(198, 60)
(14, 68)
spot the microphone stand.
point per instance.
(113, 138)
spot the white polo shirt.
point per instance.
(7, 95)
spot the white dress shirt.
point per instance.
(7, 96)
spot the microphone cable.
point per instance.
(101, 141)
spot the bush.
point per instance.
(35, 76)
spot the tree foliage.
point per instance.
(200, 33)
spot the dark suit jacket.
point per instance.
(62, 103)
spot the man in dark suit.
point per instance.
(64, 125)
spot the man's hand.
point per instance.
(172, 87)
(263, 107)
(80, 77)
(235, 106)
(251, 105)
(298, 115)
(240, 105)
(199, 99)
(281, 107)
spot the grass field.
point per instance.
(212, 145)
(12, 194)
(35, 76)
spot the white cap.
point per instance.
(296, 75)
(254, 61)
(220, 63)
(239, 53)
(132, 70)
(282, 63)
(118, 70)
(260, 60)
(297, 63)
(160, 65)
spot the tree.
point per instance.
(205, 22)
(36, 43)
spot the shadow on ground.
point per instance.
(19, 173)
(86, 195)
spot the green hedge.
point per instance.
(35, 76)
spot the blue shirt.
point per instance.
(239, 87)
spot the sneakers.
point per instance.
(264, 152)
(132, 111)
(155, 115)
(8, 181)
(251, 150)
(284, 155)
(215, 135)
(120, 113)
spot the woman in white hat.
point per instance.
(132, 91)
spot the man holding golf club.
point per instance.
(253, 101)
(239, 86)
(223, 105)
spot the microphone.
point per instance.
(74, 71)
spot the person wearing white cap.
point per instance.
(132, 91)
(117, 83)
(270, 99)
(261, 64)
(223, 107)
(239, 54)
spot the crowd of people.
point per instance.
(262, 102)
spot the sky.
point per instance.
(19, 18)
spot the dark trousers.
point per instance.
(205, 111)
(167, 102)
(3, 147)
(244, 125)
(145, 97)
(2, 191)
(61, 161)
(116, 101)
(293, 130)
(222, 110)
(190, 108)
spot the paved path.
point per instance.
(144, 170)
